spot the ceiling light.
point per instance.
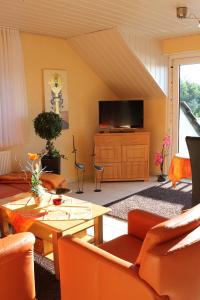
(182, 13)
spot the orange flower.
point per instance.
(33, 156)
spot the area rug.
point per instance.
(163, 200)
(47, 286)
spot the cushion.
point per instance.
(52, 181)
(49, 180)
(126, 247)
(169, 230)
(7, 190)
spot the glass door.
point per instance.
(186, 102)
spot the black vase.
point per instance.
(161, 178)
(51, 164)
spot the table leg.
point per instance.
(98, 230)
(55, 236)
(4, 227)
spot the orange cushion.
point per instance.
(140, 221)
(169, 230)
(49, 180)
(52, 181)
(126, 247)
(7, 190)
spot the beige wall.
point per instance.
(84, 91)
(186, 43)
(154, 122)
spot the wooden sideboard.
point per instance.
(124, 156)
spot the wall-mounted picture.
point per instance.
(55, 92)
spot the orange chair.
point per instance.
(158, 259)
(16, 267)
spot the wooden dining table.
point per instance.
(180, 168)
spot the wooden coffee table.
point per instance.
(48, 231)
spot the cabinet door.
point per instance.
(112, 171)
(135, 153)
(108, 154)
(134, 170)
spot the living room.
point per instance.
(106, 55)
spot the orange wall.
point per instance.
(186, 43)
(84, 90)
(154, 122)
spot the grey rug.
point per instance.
(163, 200)
(47, 286)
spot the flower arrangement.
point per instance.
(159, 157)
(34, 166)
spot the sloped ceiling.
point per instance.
(111, 58)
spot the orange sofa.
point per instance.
(19, 182)
(158, 259)
(16, 267)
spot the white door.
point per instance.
(185, 105)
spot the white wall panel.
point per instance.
(149, 53)
(115, 62)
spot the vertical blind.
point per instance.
(13, 104)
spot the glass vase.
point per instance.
(39, 200)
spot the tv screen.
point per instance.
(121, 114)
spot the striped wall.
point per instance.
(120, 60)
(150, 54)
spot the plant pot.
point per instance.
(51, 164)
(162, 178)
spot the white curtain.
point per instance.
(13, 104)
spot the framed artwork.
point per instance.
(55, 92)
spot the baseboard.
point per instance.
(87, 177)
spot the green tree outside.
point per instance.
(190, 93)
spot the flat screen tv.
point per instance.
(121, 114)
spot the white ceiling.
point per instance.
(68, 18)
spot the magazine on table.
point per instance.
(67, 213)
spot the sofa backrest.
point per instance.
(170, 255)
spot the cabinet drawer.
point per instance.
(108, 139)
(137, 171)
(135, 139)
(108, 154)
(135, 153)
(112, 171)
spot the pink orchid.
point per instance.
(158, 158)
(167, 141)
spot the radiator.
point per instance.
(5, 162)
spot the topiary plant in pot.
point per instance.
(48, 126)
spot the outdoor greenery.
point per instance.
(190, 93)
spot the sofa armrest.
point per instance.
(88, 272)
(140, 221)
(174, 264)
(16, 267)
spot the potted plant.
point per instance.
(159, 157)
(48, 126)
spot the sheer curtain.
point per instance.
(13, 104)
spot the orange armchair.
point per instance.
(158, 259)
(16, 267)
